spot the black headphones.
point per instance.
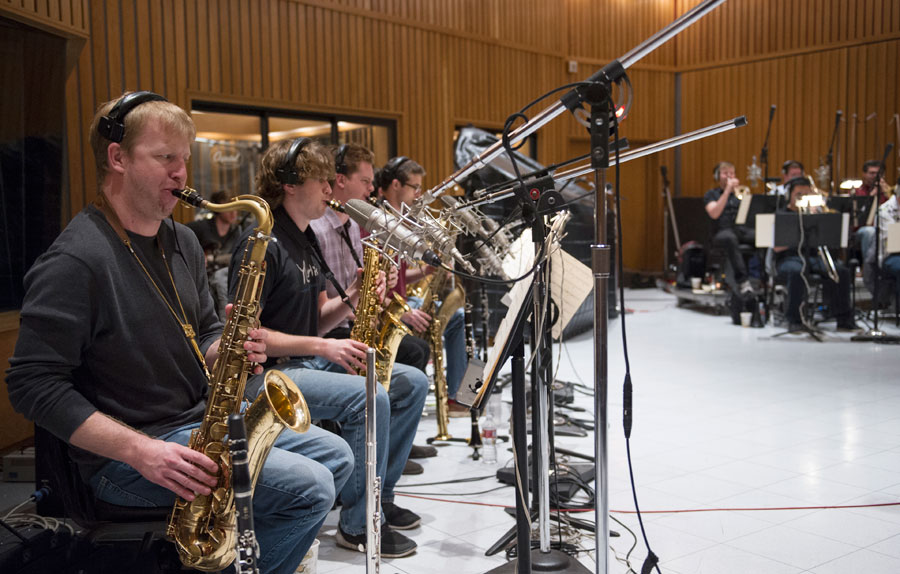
(287, 173)
(339, 165)
(112, 126)
(391, 170)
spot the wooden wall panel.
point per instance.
(66, 17)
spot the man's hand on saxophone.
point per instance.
(256, 344)
(417, 319)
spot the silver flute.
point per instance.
(373, 483)
(246, 544)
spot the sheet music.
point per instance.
(743, 210)
(765, 230)
(893, 238)
(571, 281)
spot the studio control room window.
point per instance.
(231, 139)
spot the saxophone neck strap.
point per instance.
(101, 203)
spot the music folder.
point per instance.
(857, 206)
(753, 205)
(892, 231)
(783, 229)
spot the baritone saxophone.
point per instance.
(204, 530)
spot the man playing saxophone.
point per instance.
(117, 328)
(341, 245)
(296, 310)
(400, 183)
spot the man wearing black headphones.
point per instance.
(722, 207)
(294, 179)
(118, 328)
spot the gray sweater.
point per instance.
(96, 336)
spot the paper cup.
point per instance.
(695, 282)
(746, 317)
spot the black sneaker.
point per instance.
(393, 544)
(400, 518)
(417, 451)
(412, 468)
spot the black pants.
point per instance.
(413, 351)
(730, 241)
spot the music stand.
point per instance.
(819, 230)
(857, 206)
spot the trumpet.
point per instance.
(740, 191)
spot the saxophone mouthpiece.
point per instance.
(336, 205)
(189, 196)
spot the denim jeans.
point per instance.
(836, 296)
(891, 267)
(332, 394)
(295, 491)
(456, 359)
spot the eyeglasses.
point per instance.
(416, 188)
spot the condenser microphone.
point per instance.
(391, 231)
(488, 259)
(771, 112)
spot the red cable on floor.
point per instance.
(674, 511)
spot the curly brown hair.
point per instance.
(313, 162)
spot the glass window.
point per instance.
(231, 139)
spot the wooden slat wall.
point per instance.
(431, 65)
(810, 58)
(68, 17)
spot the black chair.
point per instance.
(116, 538)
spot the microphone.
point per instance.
(837, 117)
(771, 112)
(487, 257)
(392, 231)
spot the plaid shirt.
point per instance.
(329, 231)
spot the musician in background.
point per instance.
(865, 234)
(339, 240)
(889, 212)
(789, 267)
(722, 206)
(218, 235)
(791, 169)
(399, 184)
(296, 310)
(115, 339)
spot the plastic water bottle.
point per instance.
(489, 439)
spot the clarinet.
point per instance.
(474, 433)
(246, 545)
(373, 483)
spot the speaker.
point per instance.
(112, 126)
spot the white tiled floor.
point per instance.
(724, 417)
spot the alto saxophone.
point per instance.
(204, 530)
(386, 339)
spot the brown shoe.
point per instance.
(457, 411)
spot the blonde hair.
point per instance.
(171, 117)
(313, 162)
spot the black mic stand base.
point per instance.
(876, 336)
(553, 561)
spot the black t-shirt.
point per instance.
(290, 293)
(208, 235)
(729, 214)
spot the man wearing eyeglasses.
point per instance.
(400, 183)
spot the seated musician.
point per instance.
(790, 269)
(118, 329)
(218, 235)
(339, 241)
(722, 206)
(400, 183)
(865, 235)
(889, 212)
(791, 169)
(293, 178)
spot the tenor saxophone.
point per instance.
(204, 530)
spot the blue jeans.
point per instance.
(891, 267)
(295, 491)
(836, 296)
(456, 359)
(332, 394)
